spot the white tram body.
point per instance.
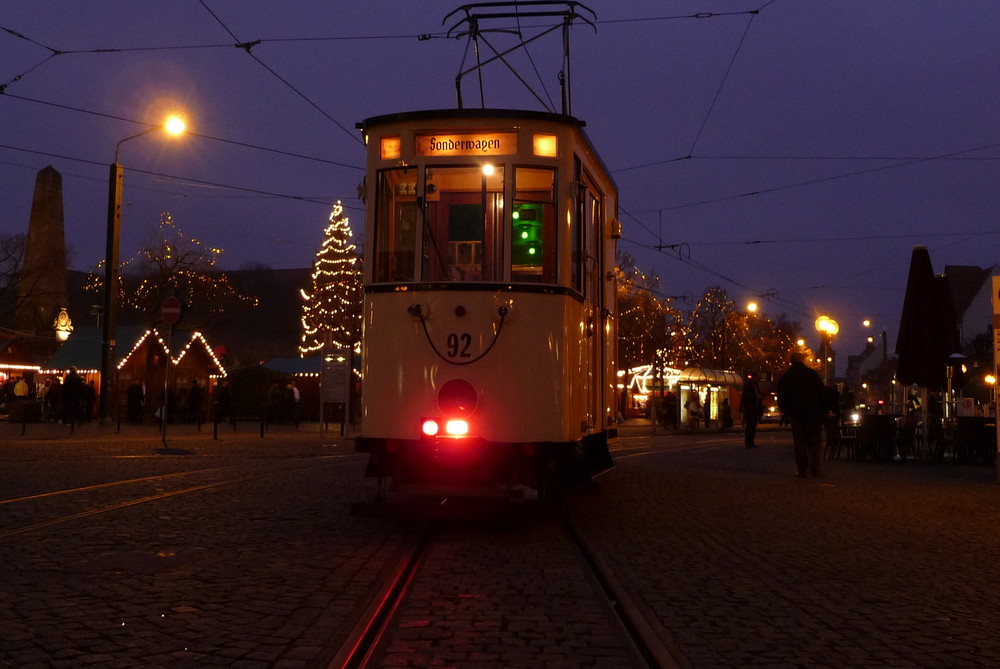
(489, 312)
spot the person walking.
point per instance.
(89, 401)
(72, 394)
(195, 400)
(725, 415)
(695, 412)
(751, 408)
(294, 397)
(225, 400)
(21, 390)
(802, 397)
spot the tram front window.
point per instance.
(463, 208)
(454, 218)
(396, 222)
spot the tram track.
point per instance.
(646, 644)
(81, 496)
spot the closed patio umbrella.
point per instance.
(928, 329)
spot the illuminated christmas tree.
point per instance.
(331, 307)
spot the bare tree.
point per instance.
(178, 265)
(11, 256)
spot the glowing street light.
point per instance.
(827, 325)
(174, 125)
(827, 328)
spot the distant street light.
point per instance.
(827, 328)
(174, 126)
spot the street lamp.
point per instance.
(174, 126)
(827, 328)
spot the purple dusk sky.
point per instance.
(791, 149)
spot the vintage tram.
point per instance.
(489, 339)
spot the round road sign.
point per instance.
(170, 312)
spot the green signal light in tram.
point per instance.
(527, 244)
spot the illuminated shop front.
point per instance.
(645, 386)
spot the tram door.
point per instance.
(593, 272)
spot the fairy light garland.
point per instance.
(178, 262)
(196, 337)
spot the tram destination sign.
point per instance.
(472, 144)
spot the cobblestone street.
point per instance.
(736, 561)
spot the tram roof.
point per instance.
(516, 114)
(445, 114)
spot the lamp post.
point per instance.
(174, 126)
(827, 328)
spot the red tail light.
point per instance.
(456, 427)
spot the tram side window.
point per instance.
(463, 207)
(532, 238)
(396, 220)
(577, 246)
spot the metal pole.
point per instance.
(110, 289)
(111, 283)
(164, 411)
(322, 383)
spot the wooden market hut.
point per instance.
(142, 359)
(15, 359)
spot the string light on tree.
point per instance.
(331, 307)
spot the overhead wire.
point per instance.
(248, 47)
(722, 83)
(532, 61)
(180, 179)
(834, 177)
(192, 134)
